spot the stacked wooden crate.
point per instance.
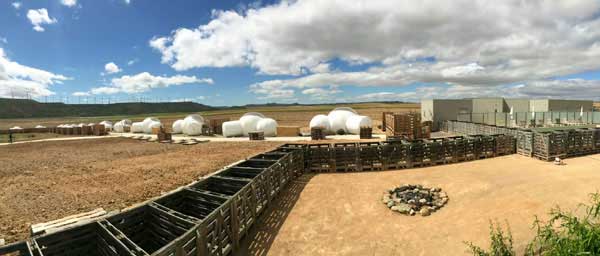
(345, 156)
(504, 144)
(433, 152)
(587, 141)
(319, 157)
(369, 156)
(394, 154)
(597, 140)
(549, 145)
(256, 135)
(415, 152)
(525, 142)
(317, 133)
(407, 125)
(366, 133)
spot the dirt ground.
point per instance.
(50, 180)
(342, 214)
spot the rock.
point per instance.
(402, 208)
(2, 242)
(422, 200)
(411, 212)
(390, 204)
(425, 212)
(411, 201)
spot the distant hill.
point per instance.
(23, 108)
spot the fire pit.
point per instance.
(412, 199)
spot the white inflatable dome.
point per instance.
(338, 118)
(118, 127)
(192, 125)
(249, 123)
(40, 126)
(177, 126)
(254, 114)
(232, 129)
(126, 122)
(321, 121)
(149, 126)
(268, 126)
(16, 128)
(107, 124)
(355, 122)
(137, 127)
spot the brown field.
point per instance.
(342, 213)
(288, 115)
(50, 180)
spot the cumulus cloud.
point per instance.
(143, 82)
(68, 3)
(77, 94)
(111, 68)
(17, 5)
(494, 43)
(21, 81)
(131, 62)
(38, 18)
(321, 93)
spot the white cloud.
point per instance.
(143, 82)
(17, 5)
(131, 62)
(38, 18)
(321, 94)
(78, 94)
(4, 40)
(127, 1)
(20, 81)
(432, 41)
(111, 68)
(68, 3)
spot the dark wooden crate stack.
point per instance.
(256, 135)
(504, 144)
(369, 156)
(366, 133)
(525, 143)
(96, 238)
(394, 154)
(99, 130)
(416, 152)
(317, 133)
(22, 248)
(587, 141)
(216, 124)
(345, 157)
(164, 136)
(407, 125)
(549, 145)
(87, 130)
(320, 157)
(433, 152)
(597, 140)
(456, 148)
(301, 152)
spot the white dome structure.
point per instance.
(126, 122)
(249, 123)
(338, 118)
(232, 129)
(16, 128)
(177, 126)
(355, 122)
(137, 127)
(40, 126)
(320, 121)
(192, 125)
(107, 124)
(268, 126)
(118, 127)
(151, 125)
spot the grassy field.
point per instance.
(298, 115)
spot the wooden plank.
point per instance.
(69, 221)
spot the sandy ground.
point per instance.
(342, 214)
(49, 180)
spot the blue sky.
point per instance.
(240, 52)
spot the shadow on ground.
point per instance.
(265, 229)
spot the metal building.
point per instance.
(439, 110)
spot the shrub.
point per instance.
(564, 234)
